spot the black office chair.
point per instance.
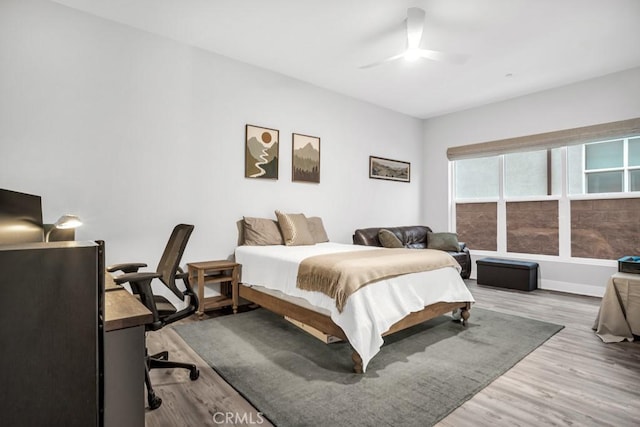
(164, 312)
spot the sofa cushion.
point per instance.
(415, 237)
(389, 240)
(443, 241)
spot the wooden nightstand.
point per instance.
(227, 273)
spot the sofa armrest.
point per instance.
(366, 237)
(463, 256)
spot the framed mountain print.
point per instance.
(393, 170)
(261, 152)
(305, 158)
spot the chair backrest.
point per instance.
(169, 265)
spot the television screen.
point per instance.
(20, 218)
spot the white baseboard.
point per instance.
(573, 288)
(568, 287)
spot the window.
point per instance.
(528, 174)
(634, 151)
(634, 164)
(538, 194)
(533, 173)
(605, 167)
(598, 167)
(477, 178)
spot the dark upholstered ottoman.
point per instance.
(507, 273)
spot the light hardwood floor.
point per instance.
(571, 380)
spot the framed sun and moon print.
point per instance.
(393, 170)
(261, 152)
(305, 158)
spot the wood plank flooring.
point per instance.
(574, 379)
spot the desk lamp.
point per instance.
(63, 223)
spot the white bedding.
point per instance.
(369, 312)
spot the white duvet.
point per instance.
(369, 312)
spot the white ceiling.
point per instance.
(516, 47)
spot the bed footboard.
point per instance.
(326, 325)
(285, 308)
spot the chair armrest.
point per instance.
(181, 274)
(136, 277)
(140, 283)
(130, 267)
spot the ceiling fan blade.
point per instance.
(415, 29)
(415, 26)
(453, 58)
(389, 59)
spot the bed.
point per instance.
(269, 279)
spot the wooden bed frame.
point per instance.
(324, 323)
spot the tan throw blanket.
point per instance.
(341, 274)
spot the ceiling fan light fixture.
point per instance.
(412, 54)
(415, 28)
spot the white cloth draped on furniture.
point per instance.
(619, 314)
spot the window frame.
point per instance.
(625, 168)
(564, 204)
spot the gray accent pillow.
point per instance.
(295, 230)
(316, 228)
(443, 241)
(388, 239)
(261, 232)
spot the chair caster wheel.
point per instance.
(154, 401)
(194, 374)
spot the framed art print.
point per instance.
(261, 152)
(305, 158)
(393, 170)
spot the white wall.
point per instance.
(135, 133)
(605, 99)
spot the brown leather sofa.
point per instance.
(413, 237)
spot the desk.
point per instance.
(123, 310)
(124, 357)
(619, 315)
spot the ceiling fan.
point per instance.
(415, 27)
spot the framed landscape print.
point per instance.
(305, 158)
(261, 152)
(393, 170)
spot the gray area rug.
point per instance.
(420, 375)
